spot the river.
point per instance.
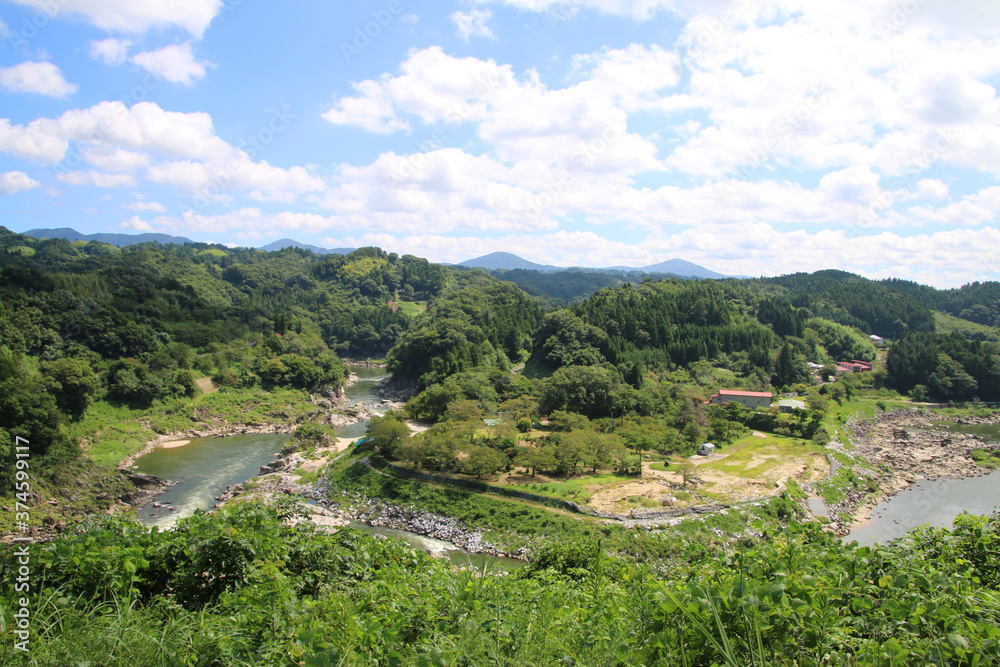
(934, 503)
(206, 466)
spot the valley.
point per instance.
(686, 455)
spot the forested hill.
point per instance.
(850, 299)
(87, 321)
(976, 302)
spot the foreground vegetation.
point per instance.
(240, 587)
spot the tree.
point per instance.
(480, 461)
(386, 434)
(588, 390)
(688, 471)
(72, 383)
(562, 421)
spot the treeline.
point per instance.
(848, 299)
(491, 324)
(945, 368)
(977, 302)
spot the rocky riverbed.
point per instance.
(900, 448)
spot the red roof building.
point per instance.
(751, 399)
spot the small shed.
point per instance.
(791, 405)
(706, 449)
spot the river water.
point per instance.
(205, 467)
(934, 503)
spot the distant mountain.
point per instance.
(120, 240)
(681, 267)
(505, 261)
(290, 243)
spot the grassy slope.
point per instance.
(948, 324)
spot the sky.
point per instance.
(753, 138)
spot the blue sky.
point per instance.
(755, 138)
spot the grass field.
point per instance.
(756, 458)
(412, 308)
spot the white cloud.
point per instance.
(932, 189)
(178, 149)
(35, 141)
(132, 16)
(116, 159)
(473, 24)
(41, 78)
(138, 224)
(4, 30)
(96, 178)
(175, 63)
(110, 51)
(14, 182)
(522, 120)
(143, 206)
(371, 110)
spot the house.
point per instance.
(706, 449)
(877, 340)
(791, 405)
(750, 399)
(853, 366)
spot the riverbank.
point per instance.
(899, 449)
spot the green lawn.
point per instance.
(412, 308)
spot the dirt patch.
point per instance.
(611, 499)
(416, 427)
(206, 385)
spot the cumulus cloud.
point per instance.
(41, 78)
(14, 182)
(131, 16)
(110, 51)
(137, 224)
(175, 63)
(142, 206)
(172, 148)
(473, 24)
(96, 178)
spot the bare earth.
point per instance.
(728, 487)
(206, 385)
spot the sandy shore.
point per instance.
(173, 444)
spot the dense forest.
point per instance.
(85, 321)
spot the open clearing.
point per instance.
(750, 468)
